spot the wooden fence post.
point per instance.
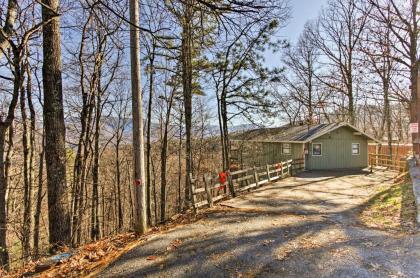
(255, 177)
(292, 168)
(268, 173)
(194, 197)
(289, 166)
(207, 181)
(281, 170)
(231, 187)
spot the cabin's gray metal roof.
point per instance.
(295, 133)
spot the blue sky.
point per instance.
(302, 11)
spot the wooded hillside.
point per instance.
(67, 80)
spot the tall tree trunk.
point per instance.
(118, 169)
(94, 229)
(31, 132)
(39, 197)
(4, 165)
(414, 73)
(27, 185)
(55, 131)
(148, 133)
(163, 162)
(226, 140)
(4, 255)
(138, 140)
(82, 153)
(387, 114)
(222, 137)
(349, 84)
(180, 162)
(186, 56)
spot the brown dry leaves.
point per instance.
(91, 258)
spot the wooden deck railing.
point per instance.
(208, 189)
(383, 160)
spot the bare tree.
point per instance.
(339, 31)
(376, 47)
(402, 20)
(301, 62)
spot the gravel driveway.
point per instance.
(302, 226)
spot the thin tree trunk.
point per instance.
(94, 229)
(4, 255)
(4, 165)
(38, 208)
(32, 129)
(148, 133)
(163, 162)
(180, 162)
(27, 186)
(117, 162)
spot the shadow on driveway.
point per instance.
(296, 227)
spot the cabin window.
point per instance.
(317, 149)
(355, 148)
(286, 148)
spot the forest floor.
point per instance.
(313, 225)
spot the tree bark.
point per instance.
(55, 154)
(4, 255)
(148, 132)
(7, 30)
(180, 162)
(118, 172)
(4, 126)
(94, 229)
(39, 200)
(138, 140)
(27, 183)
(163, 162)
(186, 56)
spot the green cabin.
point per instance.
(321, 146)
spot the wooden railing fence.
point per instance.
(383, 160)
(208, 189)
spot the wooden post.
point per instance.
(293, 167)
(231, 187)
(194, 197)
(268, 173)
(289, 166)
(281, 170)
(255, 177)
(207, 181)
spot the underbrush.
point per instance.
(392, 209)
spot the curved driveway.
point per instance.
(302, 226)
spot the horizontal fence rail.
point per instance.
(210, 189)
(388, 162)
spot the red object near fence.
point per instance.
(222, 177)
(278, 166)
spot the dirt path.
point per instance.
(299, 227)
